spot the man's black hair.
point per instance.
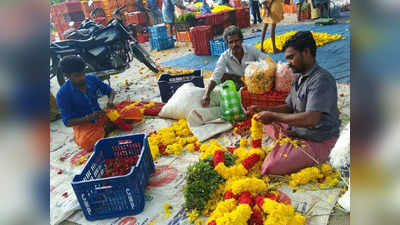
(232, 30)
(72, 64)
(300, 41)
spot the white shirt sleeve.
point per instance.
(220, 69)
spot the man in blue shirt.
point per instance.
(77, 101)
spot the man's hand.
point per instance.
(255, 108)
(110, 105)
(96, 115)
(205, 101)
(266, 117)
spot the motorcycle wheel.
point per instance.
(141, 54)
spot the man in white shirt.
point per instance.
(232, 63)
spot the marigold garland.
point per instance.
(252, 185)
(281, 214)
(230, 172)
(256, 129)
(227, 212)
(209, 149)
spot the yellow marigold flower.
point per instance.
(258, 151)
(241, 153)
(243, 142)
(175, 149)
(256, 129)
(252, 185)
(326, 169)
(190, 147)
(280, 213)
(155, 152)
(239, 216)
(198, 222)
(230, 172)
(167, 208)
(193, 215)
(304, 176)
(223, 207)
(320, 40)
(209, 149)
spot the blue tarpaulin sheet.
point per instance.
(334, 56)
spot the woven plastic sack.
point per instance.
(259, 76)
(284, 77)
(231, 108)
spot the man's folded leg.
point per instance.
(284, 159)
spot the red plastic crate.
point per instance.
(98, 4)
(244, 22)
(136, 18)
(115, 4)
(207, 19)
(86, 9)
(241, 11)
(271, 98)
(235, 3)
(142, 37)
(130, 6)
(243, 17)
(183, 36)
(67, 7)
(306, 14)
(201, 36)
(159, 3)
(219, 18)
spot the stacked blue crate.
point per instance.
(159, 39)
(217, 46)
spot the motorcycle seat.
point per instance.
(74, 43)
(85, 33)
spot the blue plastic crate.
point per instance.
(218, 46)
(168, 84)
(162, 43)
(158, 31)
(117, 196)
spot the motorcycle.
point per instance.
(106, 51)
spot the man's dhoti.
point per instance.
(286, 158)
(87, 134)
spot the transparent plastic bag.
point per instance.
(284, 77)
(259, 76)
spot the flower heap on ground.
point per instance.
(172, 140)
(248, 201)
(226, 185)
(241, 197)
(325, 176)
(320, 40)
